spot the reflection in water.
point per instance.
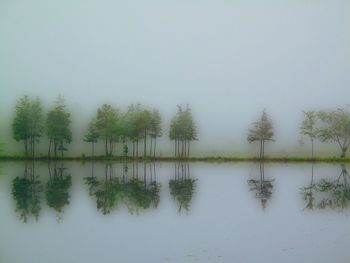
(308, 191)
(262, 187)
(182, 187)
(28, 190)
(328, 193)
(27, 193)
(57, 189)
(133, 192)
(133, 186)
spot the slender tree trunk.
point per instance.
(263, 149)
(144, 174)
(175, 144)
(312, 148)
(26, 148)
(110, 147)
(177, 148)
(260, 154)
(183, 147)
(343, 152)
(150, 147)
(93, 149)
(137, 149)
(145, 142)
(188, 149)
(106, 146)
(154, 147)
(49, 151)
(55, 148)
(33, 155)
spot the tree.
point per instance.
(58, 127)
(336, 128)
(262, 131)
(92, 135)
(155, 130)
(137, 123)
(57, 189)
(183, 130)
(27, 125)
(182, 188)
(144, 121)
(108, 126)
(27, 193)
(262, 187)
(308, 127)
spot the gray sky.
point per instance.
(227, 59)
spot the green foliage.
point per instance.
(262, 187)
(262, 131)
(27, 193)
(109, 128)
(57, 195)
(182, 191)
(329, 193)
(112, 191)
(28, 125)
(182, 130)
(92, 134)
(309, 127)
(155, 124)
(58, 126)
(336, 128)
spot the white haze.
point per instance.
(227, 59)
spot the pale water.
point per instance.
(165, 212)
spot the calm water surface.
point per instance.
(167, 212)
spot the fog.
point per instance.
(228, 60)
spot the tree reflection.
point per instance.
(328, 193)
(108, 191)
(27, 193)
(308, 191)
(262, 187)
(57, 188)
(182, 187)
(143, 194)
(134, 193)
(91, 180)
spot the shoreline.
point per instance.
(217, 159)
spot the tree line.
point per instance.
(326, 126)
(110, 126)
(139, 124)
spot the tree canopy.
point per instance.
(28, 123)
(335, 127)
(58, 127)
(262, 131)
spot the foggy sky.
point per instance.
(228, 59)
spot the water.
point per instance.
(167, 212)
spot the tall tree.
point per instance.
(262, 131)
(27, 125)
(144, 120)
(308, 127)
(108, 126)
(155, 130)
(58, 127)
(336, 128)
(183, 130)
(92, 134)
(135, 126)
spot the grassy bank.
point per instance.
(172, 159)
